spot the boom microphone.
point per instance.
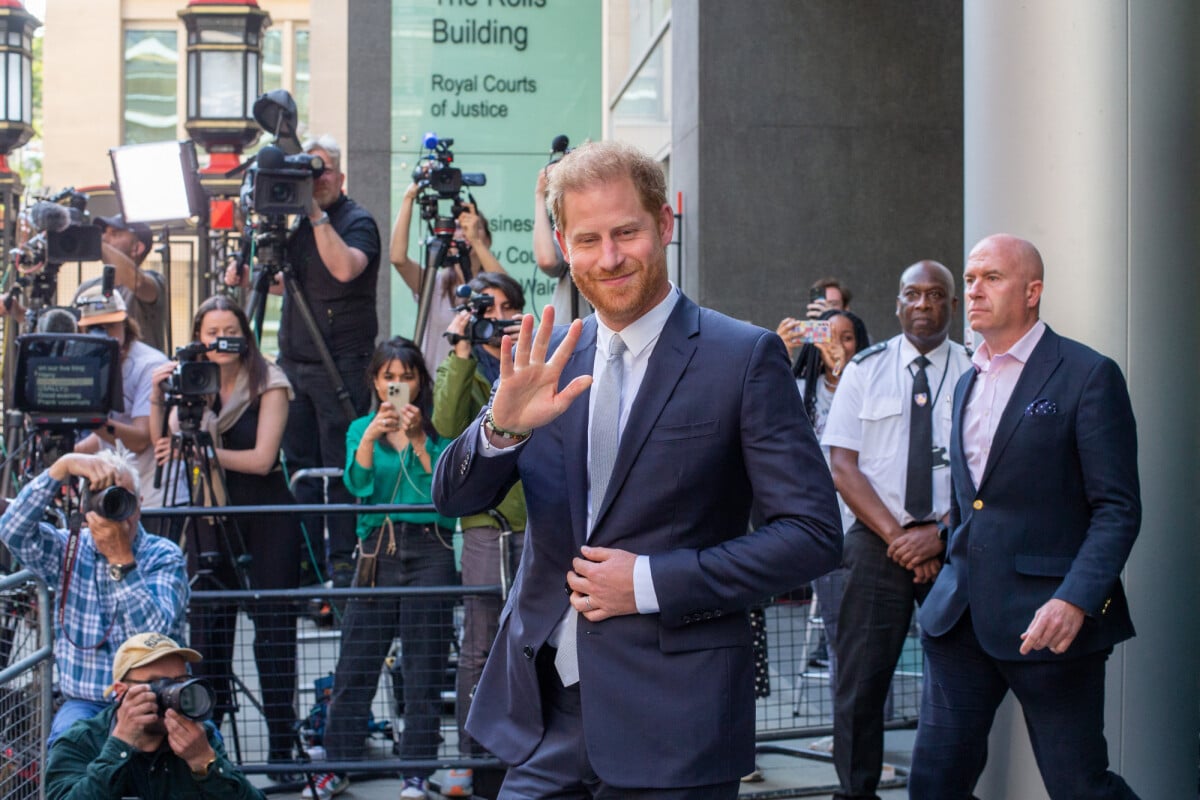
(47, 216)
(560, 144)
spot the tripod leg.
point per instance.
(435, 258)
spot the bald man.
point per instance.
(887, 433)
(1044, 512)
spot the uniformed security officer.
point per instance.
(888, 433)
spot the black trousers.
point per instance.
(316, 437)
(876, 613)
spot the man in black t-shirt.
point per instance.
(334, 255)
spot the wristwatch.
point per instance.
(321, 220)
(118, 571)
(943, 531)
(202, 774)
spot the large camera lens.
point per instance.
(191, 697)
(115, 503)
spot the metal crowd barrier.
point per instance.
(27, 657)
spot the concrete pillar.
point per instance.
(368, 123)
(814, 138)
(1080, 134)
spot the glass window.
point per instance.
(300, 92)
(272, 70)
(642, 114)
(151, 66)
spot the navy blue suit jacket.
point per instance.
(667, 698)
(1056, 511)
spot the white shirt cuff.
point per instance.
(643, 586)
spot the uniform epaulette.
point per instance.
(870, 351)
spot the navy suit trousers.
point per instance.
(1063, 704)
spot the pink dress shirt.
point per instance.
(996, 377)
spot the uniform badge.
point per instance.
(920, 398)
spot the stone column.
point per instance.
(1080, 134)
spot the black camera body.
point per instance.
(480, 330)
(278, 185)
(191, 697)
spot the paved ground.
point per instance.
(784, 775)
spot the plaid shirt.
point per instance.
(153, 597)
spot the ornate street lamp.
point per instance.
(224, 75)
(16, 103)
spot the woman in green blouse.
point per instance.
(390, 458)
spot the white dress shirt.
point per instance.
(871, 411)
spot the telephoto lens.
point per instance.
(116, 503)
(191, 697)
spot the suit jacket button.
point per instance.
(528, 651)
(977, 505)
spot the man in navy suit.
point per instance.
(1045, 510)
(623, 664)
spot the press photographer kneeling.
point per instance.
(153, 741)
(111, 578)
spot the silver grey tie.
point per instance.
(602, 454)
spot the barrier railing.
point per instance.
(27, 656)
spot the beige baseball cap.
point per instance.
(96, 309)
(146, 648)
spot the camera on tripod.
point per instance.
(439, 179)
(193, 378)
(277, 185)
(63, 231)
(480, 330)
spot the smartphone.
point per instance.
(815, 294)
(398, 395)
(812, 331)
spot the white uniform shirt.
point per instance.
(871, 411)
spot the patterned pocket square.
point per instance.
(1041, 408)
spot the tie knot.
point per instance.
(922, 362)
(616, 347)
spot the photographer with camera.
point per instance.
(125, 246)
(463, 385)
(245, 420)
(472, 240)
(334, 255)
(111, 579)
(131, 427)
(152, 742)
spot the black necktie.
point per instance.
(918, 492)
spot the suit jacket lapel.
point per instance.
(672, 353)
(574, 427)
(1042, 362)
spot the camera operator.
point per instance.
(130, 427)
(246, 420)
(147, 744)
(471, 234)
(120, 579)
(334, 254)
(568, 303)
(125, 246)
(463, 385)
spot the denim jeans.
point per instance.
(424, 625)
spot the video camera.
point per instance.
(480, 330)
(64, 232)
(439, 180)
(277, 185)
(195, 378)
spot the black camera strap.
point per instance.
(69, 557)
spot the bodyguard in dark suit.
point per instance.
(640, 443)
(1045, 511)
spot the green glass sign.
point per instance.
(502, 78)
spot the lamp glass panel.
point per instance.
(13, 87)
(27, 89)
(217, 30)
(221, 85)
(14, 38)
(252, 92)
